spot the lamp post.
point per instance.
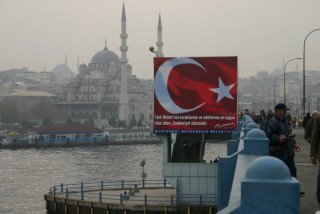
(274, 89)
(269, 96)
(284, 78)
(304, 72)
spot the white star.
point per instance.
(223, 90)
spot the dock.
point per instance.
(153, 196)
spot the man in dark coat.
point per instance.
(282, 144)
(315, 151)
(309, 127)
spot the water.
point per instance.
(25, 175)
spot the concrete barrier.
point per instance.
(250, 181)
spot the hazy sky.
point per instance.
(262, 33)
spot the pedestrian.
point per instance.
(309, 126)
(306, 119)
(315, 152)
(282, 143)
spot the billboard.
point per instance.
(195, 94)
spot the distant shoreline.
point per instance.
(78, 144)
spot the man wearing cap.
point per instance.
(282, 143)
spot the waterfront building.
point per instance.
(64, 133)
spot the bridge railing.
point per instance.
(95, 191)
(250, 181)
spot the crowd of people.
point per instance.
(278, 125)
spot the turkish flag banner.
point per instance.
(195, 94)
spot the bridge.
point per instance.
(246, 180)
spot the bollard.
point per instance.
(210, 210)
(101, 185)
(165, 183)
(100, 197)
(189, 210)
(145, 200)
(61, 187)
(268, 185)
(67, 193)
(82, 195)
(171, 200)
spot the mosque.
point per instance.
(107, 92)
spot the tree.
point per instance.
(69, 121)
(9, 111)
(133, 122)
(112, 122)
(47, 121)
(46, 109)
(89, 122)
(140, 123)
(26, 124)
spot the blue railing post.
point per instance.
(122, 184)
(54, 190)
(200, 199)
(82, 191)
(145, 200)
(165, 183)
(101, 185)
(171, 200)
(67, 193)
(100, 197)
(121, 199)
(61, 187)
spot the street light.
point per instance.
(268, 96)
(304, 72)
(274, 89)
(284, 78)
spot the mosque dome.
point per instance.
(105, 57)
(62, 69)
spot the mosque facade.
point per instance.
(107, 92)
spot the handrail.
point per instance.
(93, 192)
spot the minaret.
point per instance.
(78, 65)
(66, 60)
(159, 42)
(124, 101)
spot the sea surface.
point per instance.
(27, 174)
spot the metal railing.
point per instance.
(96, 191)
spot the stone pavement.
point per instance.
(307, 175)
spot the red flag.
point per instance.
(195, 94)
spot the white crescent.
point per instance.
(161, 84)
